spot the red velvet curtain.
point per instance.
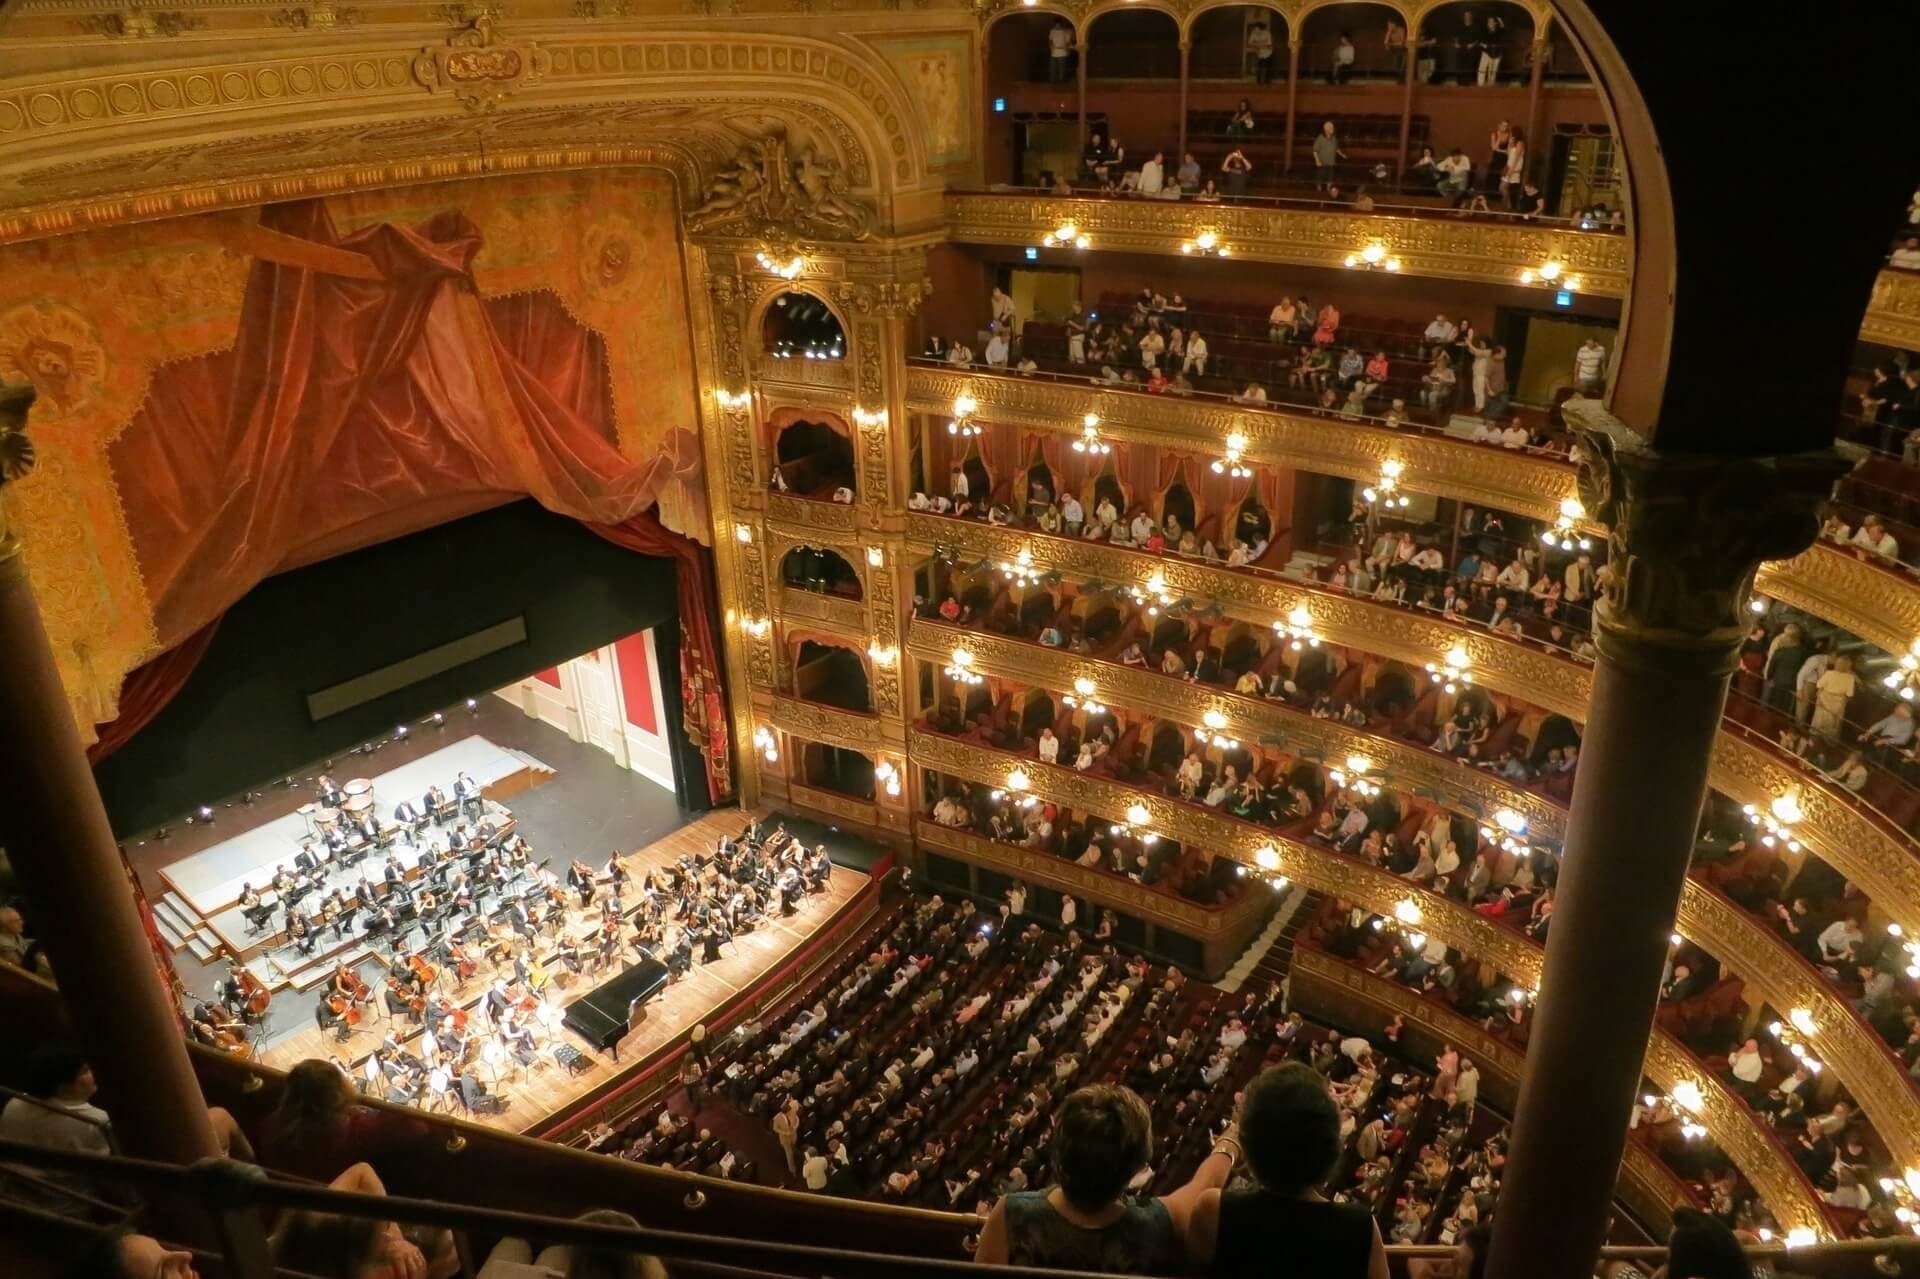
(703, 698)
(146, 692)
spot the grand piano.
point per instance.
(603, 1015)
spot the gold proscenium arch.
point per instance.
(165, 139)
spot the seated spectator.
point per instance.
(511, 1258)
(1254, 394)
(319, 1130)
(331, 1246)
(1290, 1128)
(1907, 256)
(1086, 1221)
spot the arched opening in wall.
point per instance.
(1476, 42)
(1169, 632)
(1037, 611)
(1252, 523)
(799, 326)
(1108, 488)
(978, 701)
(1177, 502)
(1351, 43)
(1556, 733)
(813, 459)
(979, 485)
(1030, 138)
(1166, 748)
(1241, 652)
(833, 768)
(976, 597)
(1227, 44)
(1020, 49)
(1394, 693)
(823, 572)
(1100, 619)
(1134, 44)
(1036, 713)
(1040, 483)
(1308, 779)
(832, 676)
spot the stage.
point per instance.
(539, 1091)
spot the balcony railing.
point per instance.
(1764, 1162)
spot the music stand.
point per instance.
(495, 1058)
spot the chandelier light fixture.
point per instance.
(1090, 441)
(1904, 677)
(1385, 491)
(1154, 595)
(1020, 570)
(1297, 629)
(1553, 274)
(1231, 465)
(1065, 236)
(1373, 257)
(964, 407)
(765, 742)
(1454, 671)
(1207, 245)
(1213, 732)
(1135, 824)
(1776, 824)
(786, 270)
(1795, 1033)
(1081, 698)
(1508, 831)
(1565, 532)
(1354, 777)
(960, 669)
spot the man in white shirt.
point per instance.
(1747, 1065)
(1260, 52)
(1589, 366)
(1355, 1049)
(1196, 362)
(1060, 52)
(1440, 333)
(1153, 175)
(1072, 515)
(1142, 528)
(814, 1169)
(1840, 939)
(1514, 436)
(1873, 536)
(997, 349)
(1254, 394)
(1152, 347)
(58, 1112)
(1907, 256)
(1049, 746)
(1466, 1085)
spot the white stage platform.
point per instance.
(210, 880)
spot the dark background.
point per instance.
(241, 721)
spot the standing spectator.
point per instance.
(1831, 693)
(1188, 175)
(1491, 50)
(1343, 53)
(1236, 167)
(1260, 52)
(1153, 175)
(1326, 152)
(1499, 143)
(1515, 171)
(1060, 52)
(1482, 369)
(1396, 46)
(1590, 366)
(997, 348)
(1873, 536)
(1077, 335)
(1439, 335)
(786, 1130)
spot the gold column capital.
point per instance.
(16, 456)
(1685, 536)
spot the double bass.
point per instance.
(423, 972)
(463, 965)
(254, 995)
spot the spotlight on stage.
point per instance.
(473, 705)
(400, 732)
(439, 720)
(206, 814)
(287, 782)
(160, 833)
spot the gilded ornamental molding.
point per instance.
(1893, 312)
(1381, 892)
(781, 378)
(1476, 792)
(853, 811)
(1445, 248)
(809, 516)
(828, 725)
(1879, 604)
(1522, 483)
(844, 617)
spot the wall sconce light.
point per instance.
(1082, 697)
(869, 418)
(1213, 732)
(1903, 678)
(964, 407)
(1231, 465)
(767, 744)
(785, 270)
(1065, 236)
(1508, 830)
(960, 669)
(1453, 671)
(883, 655)
(877, 556)
(743, 533)
(1794, 1034)
(1553, 274)
(888, 776)
(1206, 244)
(1385, 491)
(756, 626)
(1374, 257)
(1298, 629)
(1090, 441)
(731, 400)
(1564, 533)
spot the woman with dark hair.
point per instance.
(1291, 1131)
(1102, 1139)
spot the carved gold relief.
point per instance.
(1879, 604)
(844, 617)
(1491, 253)
(810, 516)
(839, 806)
(1893, 312)
(885, 626)
(829, 725)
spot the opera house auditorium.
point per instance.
(780, 639)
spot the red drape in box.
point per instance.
(146, 692)
(703, 697)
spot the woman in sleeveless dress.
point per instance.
(1290, 1129)
(1086, 1220)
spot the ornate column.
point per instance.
(1293, 89)
(1406, 100)
(1686, 533)
(1080, 78)
(64, 852)
(1186, 59)
(1534, 81)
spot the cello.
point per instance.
(254, 995)
(344, 1008)
(463, 966)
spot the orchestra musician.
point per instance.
(467, 792)
(363, 898)
(255, 911)
(299, 932)
(348, 984)
(518, 1039)
(405, 813)
(457, 842)
(210, 1028)
(580, 879)
(392, 873)
(617, 874)
(436, 803)
(282, 880)
(330, 1014)
(329, 791)
(498, 1001)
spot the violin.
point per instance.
(254, 995)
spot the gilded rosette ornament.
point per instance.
(1686, 534)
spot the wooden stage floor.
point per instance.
(540, 1090)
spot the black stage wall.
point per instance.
(242, 719)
